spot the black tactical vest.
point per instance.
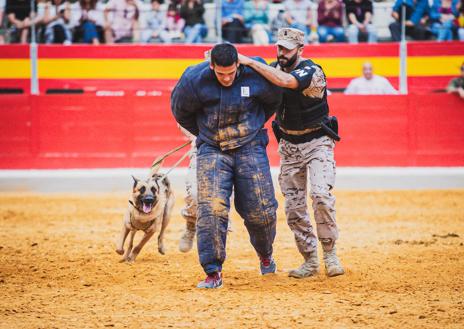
(299, 112)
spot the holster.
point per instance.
(330, 127)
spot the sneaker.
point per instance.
(332, 263)
(212, 281)
(309, 268)
(267, 266)
(186, 240)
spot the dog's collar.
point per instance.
(133, 205)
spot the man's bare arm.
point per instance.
(277, 77)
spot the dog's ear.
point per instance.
(135, 182)
(166, 182)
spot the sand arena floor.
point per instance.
(403, 253)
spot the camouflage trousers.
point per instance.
(313, 161)
(189, 212)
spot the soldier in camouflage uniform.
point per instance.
(189, 212)
(306, 136)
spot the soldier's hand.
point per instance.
(244, 60)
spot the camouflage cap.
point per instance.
(290, 38)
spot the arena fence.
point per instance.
(89, 131)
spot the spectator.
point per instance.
(359, 15)
(257, 21)
(277, 23)
(18, 15)
(443, 15)
(174, 23)
(195, 28)
(370, 84)
(90, 21)
(460, 21)
(155, 31)
(329, 18)
(233, 26)
(456, 85)
(121, 21)
(56, 19)
(298, 16)
(2, 22)
(417, 12)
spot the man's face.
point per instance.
(155, 5)
(225, 74)
(287, 57)
(367, 71)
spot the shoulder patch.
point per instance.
(318, 84)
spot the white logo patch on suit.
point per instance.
(245, 91)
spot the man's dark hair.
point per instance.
(224, 54)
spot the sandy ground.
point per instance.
(403, 253)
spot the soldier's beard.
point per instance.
(287, 62)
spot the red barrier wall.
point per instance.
(81, 131)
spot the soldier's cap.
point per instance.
(290, 38)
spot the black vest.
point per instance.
(299, 112)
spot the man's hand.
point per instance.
(244, 60)
(461, 92)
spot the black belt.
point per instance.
(299, 139)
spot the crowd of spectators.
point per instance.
(182, 21)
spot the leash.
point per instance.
(176, 164)
(158, 161)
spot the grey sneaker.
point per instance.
(332, 263)
(309, 268)
(186, 240)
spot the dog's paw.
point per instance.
(131, 258)
(161, 250)
(119, 251)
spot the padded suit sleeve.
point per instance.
(185, 105)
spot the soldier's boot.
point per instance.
(309, 268)
(186, 240)
(333, 267)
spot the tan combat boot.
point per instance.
(186, 241)
(332, 263)
(309, 268)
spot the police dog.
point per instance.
(149, 210)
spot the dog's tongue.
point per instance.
(146, 208)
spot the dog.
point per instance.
(149, 210)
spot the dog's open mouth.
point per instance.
(147, 206)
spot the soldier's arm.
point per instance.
(275, 76)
